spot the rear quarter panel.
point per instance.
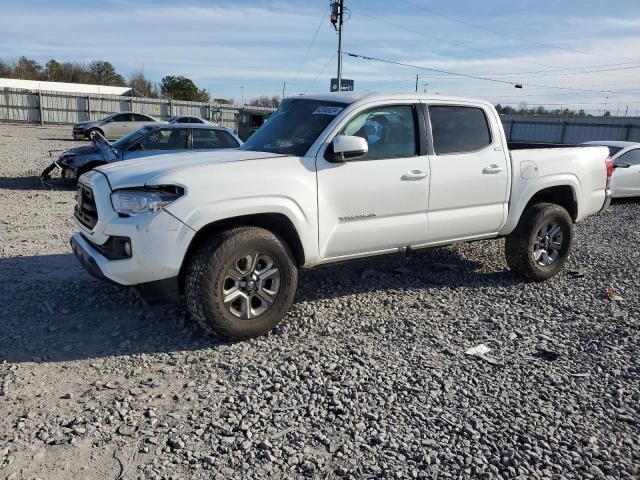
(581, 168)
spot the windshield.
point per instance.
(294, 127)
(130, 139)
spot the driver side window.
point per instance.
(390, 131)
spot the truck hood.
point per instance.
(142, 171)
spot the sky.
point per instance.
(572, 53)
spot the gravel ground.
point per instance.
(366, 378)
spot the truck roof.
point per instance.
(352, 97)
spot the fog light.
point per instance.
(127, 248)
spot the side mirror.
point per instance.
(345, 148)
(135, 147)
(620, 164)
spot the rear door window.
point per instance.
(140, 118)
(458, 129)
(123, 117)
(203, 139)
(166, 139)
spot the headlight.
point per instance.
(147, 200)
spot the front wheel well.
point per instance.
(276, 223)
(562, 195)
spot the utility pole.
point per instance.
(417, 79)
(242, 96)
(284, 86)
(337, 20)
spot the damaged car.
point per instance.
(151, 140)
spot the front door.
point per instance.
(626, 181)
(377, 202)
(469, 173)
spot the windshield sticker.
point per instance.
(326, 110)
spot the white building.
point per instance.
(36, 85)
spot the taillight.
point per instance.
(609, 163)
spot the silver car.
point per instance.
(113, 126)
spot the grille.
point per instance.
(85, 209)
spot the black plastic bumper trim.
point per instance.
(88, 262)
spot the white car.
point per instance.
(328, 178)
(625, 181)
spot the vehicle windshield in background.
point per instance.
(293, 128)
(612, 150)
(130, 139)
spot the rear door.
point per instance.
(469, 172)
(210, 139)
(378, 202)
(160, 141)
(119, 126)
(626, 181)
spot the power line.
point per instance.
(547, 72)
(477, 77)
(306, 55)
(521, 39)
(321, 72)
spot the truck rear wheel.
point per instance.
(540, 244)
(241, 284)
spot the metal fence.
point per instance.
(45, 107)
(570, 130)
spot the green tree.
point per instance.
(52, 71)
(27, 69)
(181, 88)
(103, 73)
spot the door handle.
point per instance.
(414, 175)
(492, 169)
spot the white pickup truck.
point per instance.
(328, 178)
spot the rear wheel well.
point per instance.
(562, 195)
(276, 223)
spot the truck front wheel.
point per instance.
(241, 283)
(540, 244)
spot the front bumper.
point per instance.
(158, 241)
(607, 200)
(80, 249)
(159, 291)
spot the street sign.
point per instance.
(347, 85)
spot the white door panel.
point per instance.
(378, 202)
(467, 194)
(368, 205)
(468, 191)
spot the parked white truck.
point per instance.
(330, 177)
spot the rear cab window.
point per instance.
(458, 129)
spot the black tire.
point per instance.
(92, 131)
(521, 244)
(207, 276)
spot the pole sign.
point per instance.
(347, 85)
